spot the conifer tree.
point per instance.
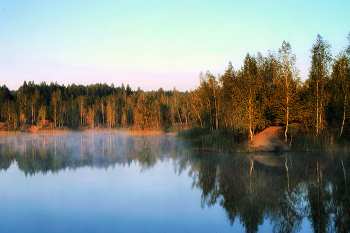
(22, 101)
(81, 106)
(4, 95)
(56, 98)
(34, 99)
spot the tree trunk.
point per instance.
(317, 109)
(287, 105)
(250, 120)
(179, 115)
(344, 174)
(198, 115)
(287, 126)
(103, 114)
(81, 114)
(55, 114)
(342, 126)
(321, 110)
(32, 114)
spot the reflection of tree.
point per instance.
(252, 215)
(319, 198)
(146, 158)
(180, 157)
(6, 157)
(253, 190)
(340, 196)
(289, 214)
(236, 188)
(207, 173)
(257, 201)
(52, 153)
(233, 188)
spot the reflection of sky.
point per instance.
(106, 200)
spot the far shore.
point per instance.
(38, 132)
(49, 131)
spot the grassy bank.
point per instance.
(230, 141)
(325, 141)
(216, 140)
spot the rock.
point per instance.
(33, 129)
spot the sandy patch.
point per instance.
(268, 140)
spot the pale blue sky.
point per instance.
(152, 44)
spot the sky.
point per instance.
(153, 44)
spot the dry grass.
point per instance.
(53, 131)
(145, 132)
(10, 132)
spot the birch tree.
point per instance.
(341, 88)
(205, 101)
(319, 74)
(227, 96)
(287, 86)
(249, 88)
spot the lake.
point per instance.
(121, 182)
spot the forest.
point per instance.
(265, 91)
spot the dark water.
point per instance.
(119, 182)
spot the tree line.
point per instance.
(95, 105)
(265, 91)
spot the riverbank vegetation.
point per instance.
(265, 91)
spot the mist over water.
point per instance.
(53, 152)
(122, 182)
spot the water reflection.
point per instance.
(44, 153)
(282, 189)
(251, 188)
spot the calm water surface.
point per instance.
(120, 182)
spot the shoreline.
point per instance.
(265, 141)
(89, 130)
(39, 132)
